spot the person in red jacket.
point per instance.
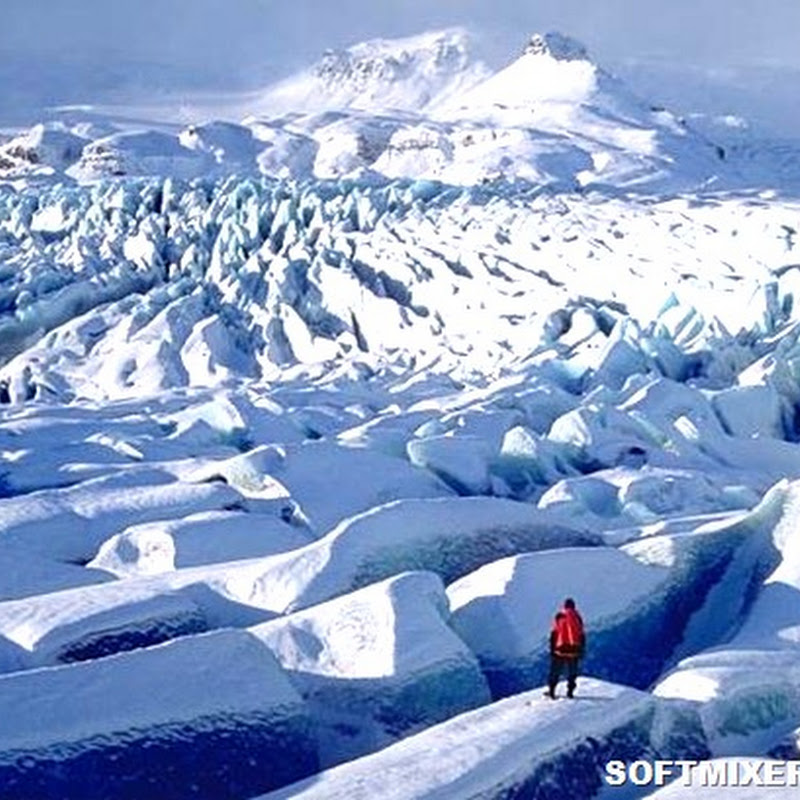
(567, 646)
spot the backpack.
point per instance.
(569, 633)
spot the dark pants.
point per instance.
(557, 665)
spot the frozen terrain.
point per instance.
(310, 421)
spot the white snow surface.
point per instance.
(328, 482)
(70, 524)
(203, 538)
(353, 643)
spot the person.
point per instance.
(567, 646)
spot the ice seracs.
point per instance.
(327, 482)
(330, 273)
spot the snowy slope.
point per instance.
(558, 109)
(43, 150)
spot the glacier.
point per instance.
(256, 400)
(310, 420)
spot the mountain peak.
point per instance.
(406, 74)
(557, 46)
(553, 69)
(381, 60)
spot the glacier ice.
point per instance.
(377, 664)
(70, 524)
(329, 482)
(449, 536)
(748, 684)
(233, 725)
(504, 610)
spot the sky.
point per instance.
(55, 51)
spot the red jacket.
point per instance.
(567, 639)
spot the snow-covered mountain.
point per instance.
(408, 74)
(309, 423)
(421, 107)
(43, 150)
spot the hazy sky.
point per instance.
(225, 34)
(51, 48)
